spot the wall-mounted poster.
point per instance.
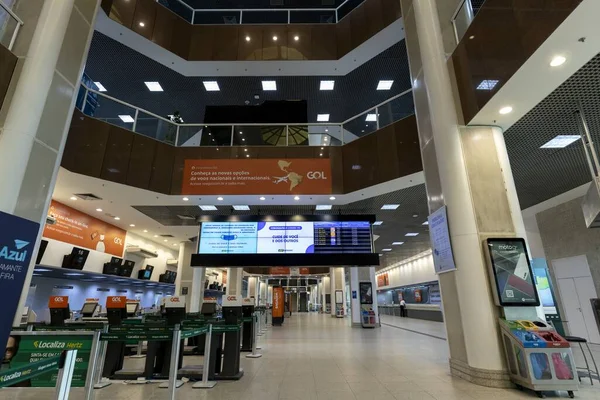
(511, 273)
(81, 230)
(443, 259)
(383, 280)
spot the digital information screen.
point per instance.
(285, 237)
(512, 273)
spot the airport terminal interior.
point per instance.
(299, 199)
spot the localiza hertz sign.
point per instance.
(16, 247)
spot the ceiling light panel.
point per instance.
(241, 208)
(322, 117)
(371, 118)
(327, 85)
(100, 87)
(377, 223)
(128, 119)
(390, 206)
(208, 208)
(323, 207)
(487, 84)
(560, 141)
(211, 86)
(269, 85)
(411, 234)
(397, 243)
(385, 85)
(154, 86)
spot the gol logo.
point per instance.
(316, 175)
(116, 299)
(59, 299)
(231, 298)
(118, 241)
(174, 300)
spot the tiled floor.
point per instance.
(316, 357)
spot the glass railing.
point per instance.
(116, 112)
(9, 26)
(224, 16)
(463, 17)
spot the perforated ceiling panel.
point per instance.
(407, 218)
(123, 71)
(539, 173)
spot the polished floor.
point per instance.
(316, 357)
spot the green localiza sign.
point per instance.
(24, 373)
(29, 349)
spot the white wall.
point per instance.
(56, 250)
(416, 270)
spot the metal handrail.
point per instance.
(17, 27)
(242, 10)
(470, 16)
(138, 110)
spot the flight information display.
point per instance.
(285, 237)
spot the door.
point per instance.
(585, 292)
(572, 307)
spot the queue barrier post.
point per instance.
(254, 354)
(173, 383)
(205, 383)
(65, 374)
(99, 381)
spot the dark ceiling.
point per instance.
(541, 174)
(245, 4)
(123, 72)
(409, 217)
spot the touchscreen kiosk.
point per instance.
(89, 309)
(511, 274)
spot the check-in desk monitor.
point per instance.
(90, 310)
(132, 309)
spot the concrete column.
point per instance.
(196, 297)
(357, 275)
(326, 289)
(253, 288)
(337, 282)
(263, 292)
(234, 281)
(183, 282)
(466, 170)
(36, 114)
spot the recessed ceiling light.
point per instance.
(386, 249)
(117, 218)
(472, 37)
(245, 149)
(220, 198)
(185, 199)
(296, 198)
(155, 235)
(390, 206)
(208, 208)
(145, 230)
(247, 155)
(557, 61)
(262, 198)
(384, 85)
(321, 154)
(412, 234)
(296, 38)
(326, 129)
(243, 139)
(371, 118)
(128, 119)
(211, 86)
(397, 243)
(241, 208)
(142, 24)
(274, 38)
(323, 207)
(100, 87)
(73, 198)
(332, 198)
(269, 85)
(322, 117)
(165, 240)
(325, 138)
(506, 110)
(247, 38)
(174, 244)
(74, 274)
(99, 209)
(132, 225)
(377, 222)
(560, 141)
(426, 223)
(327, 85)
(487, 84)
(154, 86)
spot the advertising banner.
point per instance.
(443, 259)
(279, 271)
(82, 230)
(27, 349)
(267, 176)
(278, 302)
(17, 241)
(383, 280)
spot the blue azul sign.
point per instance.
(17, 241)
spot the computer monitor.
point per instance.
(132, 309)
(110, 269)
(127, 268)
(76, 260)
(89, 309)
(41, 251)
(59, 315)
(208, 309)
(116, 260)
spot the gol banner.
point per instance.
(266, 176)
(82, 230)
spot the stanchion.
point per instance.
(175, 347)
(205, 383)
(254, 354)
(65, 375)
(99, 381)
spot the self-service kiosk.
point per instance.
(247, 326)
(59, 310)
(278, 306)
(116, 312)
(226, 353)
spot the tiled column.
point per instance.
(466, 169)
(192, 278)
(36, 114)
(234, 281)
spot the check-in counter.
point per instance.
(429, 312)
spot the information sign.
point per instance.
(441, 248)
